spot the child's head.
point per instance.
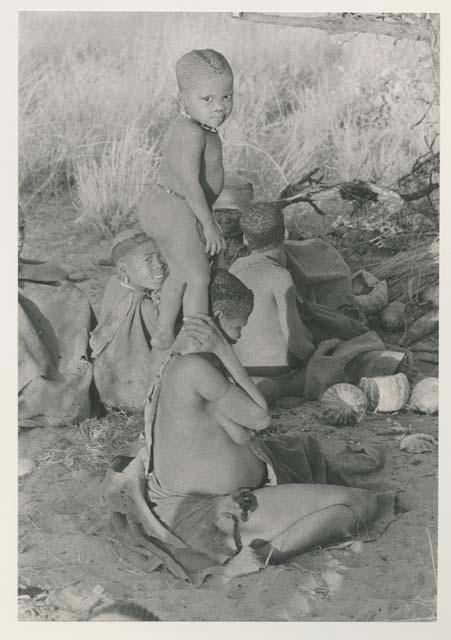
(122, 612)
(263, 226)
(138, 260)
(205, 82)
(231, 303)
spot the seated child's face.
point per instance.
(210, 101)
(229, 221)
(144, 266)
(232, 326)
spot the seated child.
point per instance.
(121, 342)
(274, 341)
(177, 213)
(235, 196)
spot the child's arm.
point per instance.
(185, 161)
(290, 323)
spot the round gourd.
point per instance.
(386, 393)
(392, 317)
(343, 405)
(424, 398)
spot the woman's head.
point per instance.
(231, 303)
(138, 260)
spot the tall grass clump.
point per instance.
(98, 90)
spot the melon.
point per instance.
(386, 393)
(424, 398)
(343, 405)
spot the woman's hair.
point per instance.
(263, 225)
(123, 608)
(229, 295)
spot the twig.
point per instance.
(423, 117)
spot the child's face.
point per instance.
(231, 326)
(144, 266)
(210, 101)
(229, 221)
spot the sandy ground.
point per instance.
(68, 552)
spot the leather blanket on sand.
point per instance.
(55, 375)
(121, 345)
(295, 457)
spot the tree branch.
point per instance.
(397, 25)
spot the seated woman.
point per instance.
(54, 319)
(121, 342)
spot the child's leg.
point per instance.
(188, 263)
(170, 302)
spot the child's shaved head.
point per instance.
(200, 64)
(229, 295)
(263, 225)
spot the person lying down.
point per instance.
(121, 342)
(206, 489)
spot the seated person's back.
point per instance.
(274, 336)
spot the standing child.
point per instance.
(178, 212)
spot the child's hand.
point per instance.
(214, 239)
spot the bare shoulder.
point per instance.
(187, 130)
(194, 365)
(277, 277)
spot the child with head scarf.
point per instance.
(121, 342)
(178, 212)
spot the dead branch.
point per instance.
(421, 193)
(307, 180)
(397, 25)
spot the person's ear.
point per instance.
(122, 271)
(182, 101)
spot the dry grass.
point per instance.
(410, 273)
(95, 443)
(97, 91)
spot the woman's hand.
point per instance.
(204, 331)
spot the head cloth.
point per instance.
(126, 241)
